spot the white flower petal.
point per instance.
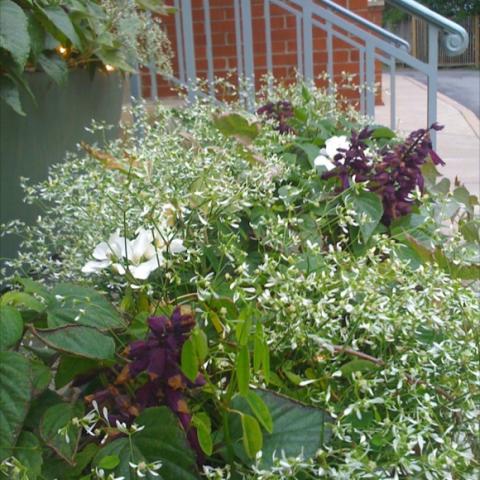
(142, 271)
(140, 245)
(176, 246)
(322, 161)
(95, 266)
(102, 251)
(119, 268)
(334, 143)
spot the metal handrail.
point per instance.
(455, 38)
(385, 34)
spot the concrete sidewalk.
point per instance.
(458, 143)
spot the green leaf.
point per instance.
(311, 151)
(201, 344)
(37, 36)
(233, 124)
(297, 428)
(14, 35)
(260, 409)
(112, 56)
(10, 95)
(243, 370)
(54, 66)
(189, 360)
(357, 366)
(78, 340)
(60, 19)
(70, 367)
(162, 440)
(242, 330)
(252, 435)
(15, 397)
(41, 376)
(28, 451)
(59, 417)
(73, 304)
(201, 421)
(368, 211)
(24, 299)
(109, 462)
(258, 347)
(11, 327)
(31, 286)
(383, 132)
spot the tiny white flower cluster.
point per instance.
(139, 257)
(142, 469)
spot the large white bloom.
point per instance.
(327, 154)
(140, 256)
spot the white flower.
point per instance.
(327, 154)
(140, 256)
(322, 161)
(176, 246)
(333, 144)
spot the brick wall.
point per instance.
(284, 43)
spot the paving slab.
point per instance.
(459, 142)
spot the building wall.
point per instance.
(284, 43)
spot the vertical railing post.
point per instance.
(208, 40)
(370, 77)
(307, 40)
(268, 38)
(432, 79)
(248, 53)
(187, 27)
(393, 93)
(180, 42)
(331, 75)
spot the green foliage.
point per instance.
(54, 37)
(293, 334)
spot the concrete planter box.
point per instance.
(30, 144)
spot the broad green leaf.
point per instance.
(41, 376)
(10, 95)
(14, 35)
(297, 428)
(28, 451)
(58, 432)
(189, 359)
(251, 435)
(201, 344)
(201, 421)
(78, 340)
(113, 57)
(162, 440)
(22, 299)
(37, 36)
(243, 370)
(11, 327)
(73, 304)
(358, 365)
(54, 66)
(383, 132)
(368, 211)
(15, 397)
(70, 367)
(311, 151)
(242, 330)
(30, 286)
(234, 124)
(60, 19)
(260, 409)
(109, 462)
